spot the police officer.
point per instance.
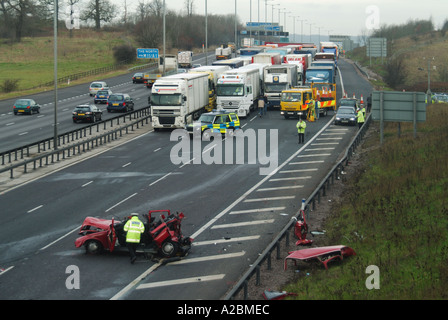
(301, 126)
(133, 228)
(360, 118)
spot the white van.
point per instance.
(96, 86)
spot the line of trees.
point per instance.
(184, 29)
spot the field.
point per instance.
(31, 61)
(394, 214)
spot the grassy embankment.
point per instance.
(32, 63)
(395, 215)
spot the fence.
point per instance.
(321, 189)
(142, 115)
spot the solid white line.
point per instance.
(257, 210)
(125, 165)
(324, 143)
(290, 178)
(209, 258)
(298, 170)
(160, 179)
(279, 188)
(157, 149)
(60, 238)
(34, 209)
(335, 138)
(242, 224)
(307, 162)
(180, 281)
(314, 155)
(320, 149)
(270, 199)
(332, 133)
(23, 133)
(86, 184)
(6, 270)
(132, 195)
(136, 281)
(208, 242)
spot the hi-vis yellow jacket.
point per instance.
(134, 228)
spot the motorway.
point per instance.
(232, 211)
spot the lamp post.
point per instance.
(55, 51)
(206, 35)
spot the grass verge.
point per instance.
(394, 214)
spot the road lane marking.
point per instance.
(117, 204)
(36, 208)
(86, 184)
(290, 178)
(298, 170)
(307, 162)
(314, 155)
(219, 241)
(242, 224)
(257, 210)
(180, 281)
(160, 179)
(248, 192)
(209, 258)
(280, 188)
(3, 271)
(58, 239)
(125, 165)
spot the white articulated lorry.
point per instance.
(276, 79)
(185, 59)
(179, 99)
(239, 89)
(214, 73)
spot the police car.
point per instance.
(216, 121)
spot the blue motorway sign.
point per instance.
(143, 53)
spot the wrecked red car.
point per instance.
(320, 254)
(161, 236)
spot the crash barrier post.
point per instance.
(86, 145)
(20, 153)
(284, 233)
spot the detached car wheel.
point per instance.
(93, 247)
(169, 249)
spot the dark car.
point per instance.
(102, 96)
(349, 102)
(120, 102)
(138, 78)
(345, 115)
(26, 106)
(87, 112)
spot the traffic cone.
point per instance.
(362, 100)
(354, 97)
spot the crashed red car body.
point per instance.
(321, 254)
(162, 236)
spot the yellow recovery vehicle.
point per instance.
(325, 94)
(298, 102)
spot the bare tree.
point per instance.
(189, 5)
(98, 11)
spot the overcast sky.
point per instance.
(343, 17)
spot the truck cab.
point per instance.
(296, 102)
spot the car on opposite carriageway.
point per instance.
(25, 106)
(87, 112)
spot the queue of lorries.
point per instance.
(292, 76)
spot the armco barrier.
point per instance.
(20, 153)
(284, 233)
(76, 148)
